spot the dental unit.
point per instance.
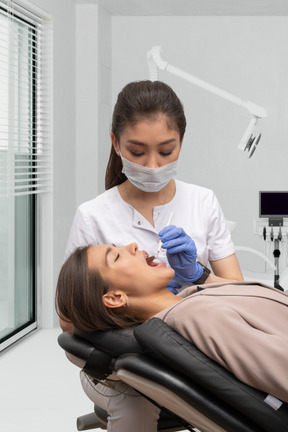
(272, 227)
(248, 141)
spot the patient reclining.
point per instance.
(242, 326)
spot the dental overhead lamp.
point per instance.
(248, 141)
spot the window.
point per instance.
(25, 165)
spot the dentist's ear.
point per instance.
(114, 143)
(114, 299)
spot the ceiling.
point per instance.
(192, 7)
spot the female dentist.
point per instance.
(148, 127)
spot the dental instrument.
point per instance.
(160, 242)
(248, 141)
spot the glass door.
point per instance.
(18, 169)
(17, 268)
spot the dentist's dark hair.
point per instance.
(79, 296)
(142, 100)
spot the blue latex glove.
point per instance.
(173, 286)
(181, 254)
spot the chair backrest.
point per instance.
(159, 341)
(155, 339)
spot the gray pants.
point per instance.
(128, 411)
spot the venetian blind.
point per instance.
(25, 106)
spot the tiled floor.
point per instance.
(40, 389)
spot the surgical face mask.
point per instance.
(148, 179)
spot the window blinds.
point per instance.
(25, 106)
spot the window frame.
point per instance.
(40, 201)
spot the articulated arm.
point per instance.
(248, 142)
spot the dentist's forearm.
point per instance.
(225, 270)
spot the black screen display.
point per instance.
(273, 204)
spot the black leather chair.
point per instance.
(175, 375)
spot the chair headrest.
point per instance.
(75, 346)
(113, 342)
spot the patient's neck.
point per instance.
(145, 308)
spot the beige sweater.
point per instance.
(242, 326)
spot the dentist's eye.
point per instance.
(166, 153)
(136, 154)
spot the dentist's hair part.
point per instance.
(138, 101)
(79, 296)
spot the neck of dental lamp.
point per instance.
(155, 61)
(248, 141)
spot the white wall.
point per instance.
(87, 78)
(93, 98)
(245, 56)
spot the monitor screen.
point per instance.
(273, 204)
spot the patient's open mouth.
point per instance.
(149, 259)
(151, 263)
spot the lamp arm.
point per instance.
(152, 67)
(154, 56)
(248, 141)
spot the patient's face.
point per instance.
(126, 268)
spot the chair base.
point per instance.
(90, 421)
(98, 419)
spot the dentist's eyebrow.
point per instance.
(132, 141)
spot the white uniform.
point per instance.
(108, 219)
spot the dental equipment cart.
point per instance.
(273, 228)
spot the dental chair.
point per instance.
(193, 391)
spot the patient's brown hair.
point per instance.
(79, 296)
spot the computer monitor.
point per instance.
(273, 205)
